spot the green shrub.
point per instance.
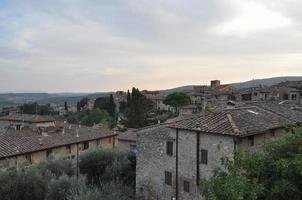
(63, 187)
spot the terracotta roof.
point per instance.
(27, 118)
(238, 122)
(14, 142)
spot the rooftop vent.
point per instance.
(44, 134)
(253, 112)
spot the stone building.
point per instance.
(173, 159)
(34, 138)
(127, 140)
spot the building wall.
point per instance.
(259, 140)
(126, 145)
(63, 151)
(152, 162)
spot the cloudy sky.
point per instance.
(106, 45)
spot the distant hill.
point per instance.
(179, 89)
(247, 84)
(266, 81)
(10, 99)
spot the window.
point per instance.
(97, 143)
(28, 157)
(272, 133)
(68, 148)
(251, 140)
(18, 127)
(86, 145)
(48, 152)
(294, 97)
(169, 149)
(168, 178)
(186, 186)
(204, 156)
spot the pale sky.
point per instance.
(107, 45)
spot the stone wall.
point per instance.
(152, 161)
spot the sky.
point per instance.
(108, 45)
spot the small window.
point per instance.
(204, 156)
(251, 140)
(272, 133)
(18, 127)
(169, 149)
(168, 178)
(86, 145)
(28, 157)
(186, 186)
(294, 97)
(48, 152)
(68, 148)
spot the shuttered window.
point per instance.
(168, 178)
(186, 186)
(169, 148)
(204, 156)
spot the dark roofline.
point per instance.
(57, 146)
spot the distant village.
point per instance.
(175, 147)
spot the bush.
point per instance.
(275, 174)
(26, 184)
(63, 187)
(106, 165)
(108, 191)
(57, 167)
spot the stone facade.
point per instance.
(153, 161)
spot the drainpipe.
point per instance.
(197, 158)
(176, 174)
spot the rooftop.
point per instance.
(238, 122)
(27, 118)
(17, 142)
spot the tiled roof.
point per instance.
(27, 118)
(239, 122)
(14, 142)
(290, 111)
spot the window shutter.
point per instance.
(204, 156)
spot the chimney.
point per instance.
(77, 130)
(215, 83)
(40, 141)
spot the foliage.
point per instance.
(106, 103)
(82, 103)
(177, 99)
(138, 108)
(27, 184)
(57, 167)
(35, 108)
(100, 165)
(110, 191)
(275, 174)
(123, 107)
(63, 187)
(65, 106)
(89, 118)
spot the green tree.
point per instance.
(177, 100)
(66, 106)
(101, 165)
(274, 174)
(82, 103)
(106, 103)
(138, 110)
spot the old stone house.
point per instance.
(34, 138)
(173, 159)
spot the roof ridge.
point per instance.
(233, 124)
